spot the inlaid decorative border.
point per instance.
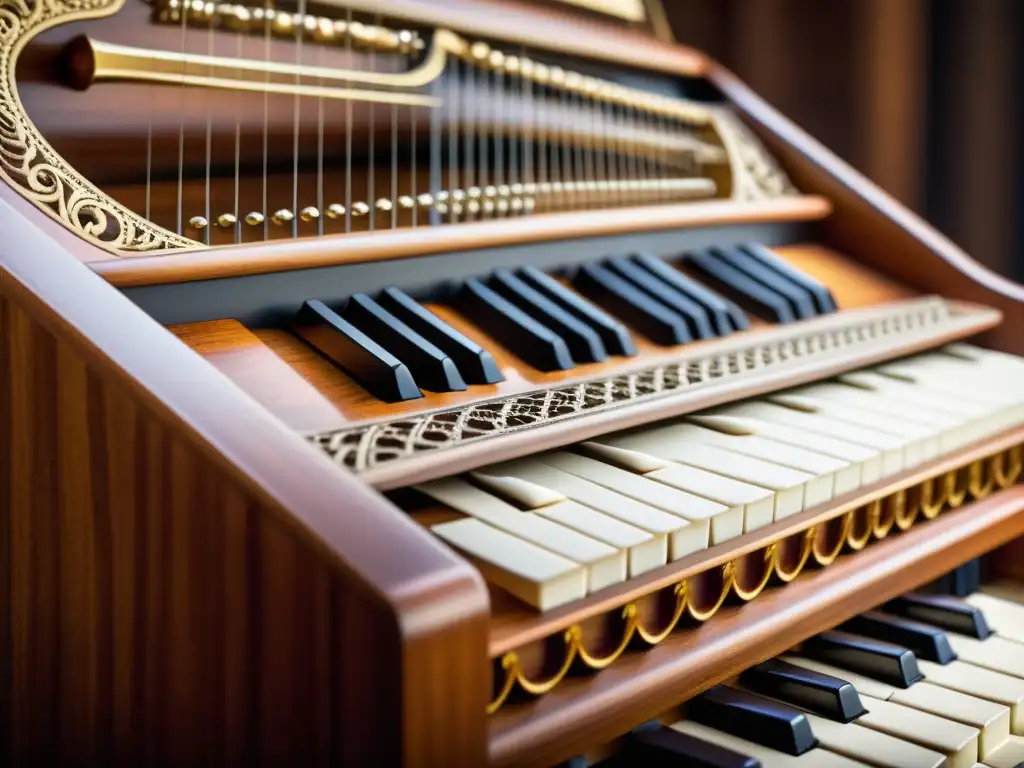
(744, 578)
(32, 167)
(368, 446)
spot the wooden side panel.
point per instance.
(184, 580)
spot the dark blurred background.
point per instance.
(926, 97)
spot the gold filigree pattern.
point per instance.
(820, 544)
(32, 167)
(368, 446)
(755, 174)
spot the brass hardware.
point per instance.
(309, 213)
(360, 209)
(94, 60)
(226, 220)
(282, 216)
(254, 218)
(335, 211)
(198, 222)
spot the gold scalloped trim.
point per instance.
(899, 510)
(33, 168)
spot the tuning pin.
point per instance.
(254, 218)
(227, 220)
(198, 222)
(309, 213)
(335, 211)
(282, 216)
(406, 202)
(383, 204)
(360, 209)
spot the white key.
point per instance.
(815, 758)
(644, 552)
(1005, 589)
(756, 504)
(1009, 754)
(534, 575)
(864, 464)
(971, 417)
(788, 484)
(824, 468)
(983, 683)
(889, 446)
(919, 443)
(957, 741)
(605, 565)
(683, 538)
(995, 653)
(1004, 617)
(872, 747)
(720, 522)
(992, 720)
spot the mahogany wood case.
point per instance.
(189, 581)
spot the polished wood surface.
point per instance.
(640, 687)
(356, 248)
(321, 396)
(189, 581)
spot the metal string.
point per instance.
(266, 118)
(209, 141)
(321, 209)
(348, 131)
(181, 121)
(469, 92)
(238, 149)
(453, 139)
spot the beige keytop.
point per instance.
(983, 683)
(948, 426)
(824, 468)
(995, 653)
(889, 446)
(605, 565)
(720, 522)
(872, 747)
(534, 575)
(756, 504)
(1005, 589)
(815, 758)
(976, 420)
(919, 443)
(683, 538)
(957, 741)
(992, 720)
(864, 465)
(790, 485)
(1009, 754)
(1004, 617)
(644, 552)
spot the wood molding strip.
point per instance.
(645, 685)
(255, 259)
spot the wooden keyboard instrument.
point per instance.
(456, 383)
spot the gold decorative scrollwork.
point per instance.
(32, 167)
(852, 531)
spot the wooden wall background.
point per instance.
(926, 97)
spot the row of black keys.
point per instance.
(393, 346)
(884, 645)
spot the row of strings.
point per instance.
(498, 145)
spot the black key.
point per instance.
(826, 695)
(696, 316)
(649, 317)
(754, 718)
(725, 315)
(875, 658)
(613, 334)
(961, 582)
(942, 611)
(800, 299)
(431, 368)
(584, 344)
(535, 343)
(366, 361)
(765, 301)
(475, 363)
(822, 296)
(927, 642)
(657, 746)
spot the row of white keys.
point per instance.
(794, 490)
(816, 758)
(554, 564)
(682, 537)
(1005, 618)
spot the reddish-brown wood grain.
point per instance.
(188, 581)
